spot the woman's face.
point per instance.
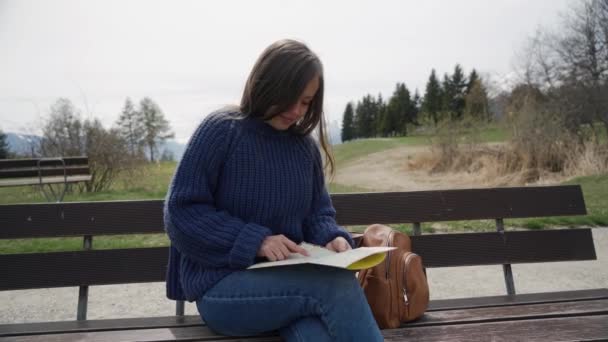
(284, 120)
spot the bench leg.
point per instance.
(179, 308)
(506, 268)
(83, 299)
(509, 283)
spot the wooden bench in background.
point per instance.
(45, 172)
(571, 315)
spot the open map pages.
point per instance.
(354, 259)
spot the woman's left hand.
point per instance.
(338, 244)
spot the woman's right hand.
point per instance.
(278, 247)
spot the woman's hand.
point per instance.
(338, 244)
(278, 247)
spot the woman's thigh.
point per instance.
(255, 301)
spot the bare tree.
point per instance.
(583, 49)
(65, 134)
(106, 151)
(62, 133)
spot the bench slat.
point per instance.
(96, 267)
(587, 328)
(433, 316)
(198, 333)
(512, 247)
(98, 325)
(45, 171)
(453, 205)
(45, 180)
(81, 218)
(33, 162)
(136, 217)
(525, 298)
(500, 313)
(118, 266)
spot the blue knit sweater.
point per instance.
(239, 181)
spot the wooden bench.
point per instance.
(570, 315)
(45, 172)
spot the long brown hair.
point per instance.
(278, 79)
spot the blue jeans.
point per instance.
(304, 303)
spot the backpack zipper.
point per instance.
(406, 263)
(388, 255)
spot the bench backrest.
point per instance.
(33, 167)
(118, 266)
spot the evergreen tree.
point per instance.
(348, 124)
(380, 115)
(398, 112)
(4, 149)
(447, 94)
(365, 117)
(454, 92)
(458, 87)
(131, 128)
(416, 103)
(406, 115)
(156, 127)
(473, 77)
(477, 102)
(433, 102)
(392, 114)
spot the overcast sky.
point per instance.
(194, 56)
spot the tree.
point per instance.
(131, 128)
(408, 113)
(62, 133)
(571, 65)
(4, 149)
(432, 102)
(392, 113)
(416, 103)
(108, 155)
(156, 127)
(65, 134)
(366, 114)
(477, 102)
(380, 115)
(457, 86)
(348, 127)
(398, 112)
(473, 77)
(583, 52)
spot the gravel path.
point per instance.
(139, 300)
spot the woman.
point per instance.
(251, 185)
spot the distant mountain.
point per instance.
(22, 144)
(175, 148)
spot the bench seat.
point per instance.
(501, 316)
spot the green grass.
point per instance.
(353, 150)
(150, 182)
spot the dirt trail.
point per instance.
(389, 171)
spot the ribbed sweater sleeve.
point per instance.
(320, 226)
(197, 229)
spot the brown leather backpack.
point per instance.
(396, 289)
